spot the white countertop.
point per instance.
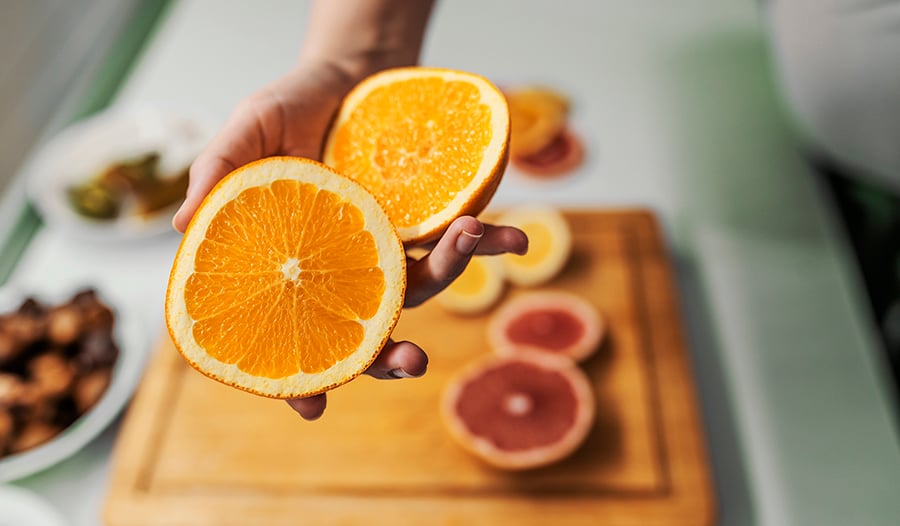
(677, 107)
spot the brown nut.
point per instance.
(7, 425)
(90, 388)
(10, 349)
(12, 390)
(33, 435)
(64, 324)
(32, 307)
(51, 375)
(98, 349)
(25, 329)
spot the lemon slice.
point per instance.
(549, 245)
(477, 289)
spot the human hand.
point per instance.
(465, 237)
(291, 117)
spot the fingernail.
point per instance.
(522, 251)
(399, 373)
(175, 218)
(466, 242)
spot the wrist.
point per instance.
(353, 67)
(361, 37)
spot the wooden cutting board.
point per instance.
(192, 451)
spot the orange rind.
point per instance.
(288, 281)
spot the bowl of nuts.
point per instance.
(67, 367)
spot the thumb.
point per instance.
(253, 131)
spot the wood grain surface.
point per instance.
(192, 451)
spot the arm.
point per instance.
(360, 37)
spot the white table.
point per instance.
(676, 102)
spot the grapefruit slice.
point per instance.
(564, 153)
(520, 412)
(556, 322)
(549, 245)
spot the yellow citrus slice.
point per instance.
(549, 245)
(477, 289)
(430, 144)
(537, 117)
(288, 280)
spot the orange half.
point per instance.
(430, 144)
(288, 280)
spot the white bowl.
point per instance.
(22, 507)
(132, 340)
(83, 149)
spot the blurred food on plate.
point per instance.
(56, 361)
(135, 187)
(117, 175)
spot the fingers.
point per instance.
(253, 131)
(309, 408)
(399, 360)
(465, 237)
(445, 262)
(502, 240)
(396, 360)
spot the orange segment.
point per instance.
(430, 144)
(288, 280)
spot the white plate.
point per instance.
(21, 507)
(83, 149)
(132, 340)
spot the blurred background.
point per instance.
(764, 136)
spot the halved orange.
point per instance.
(288, 281)
(430, 144)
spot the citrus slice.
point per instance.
(549, 245)
(520, 412)
(561, 156)
(430, 144)
(477, 289)
(551, 321)
(537, 116)
(288, 280)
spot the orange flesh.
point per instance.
(415, 145)
(281, 296)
